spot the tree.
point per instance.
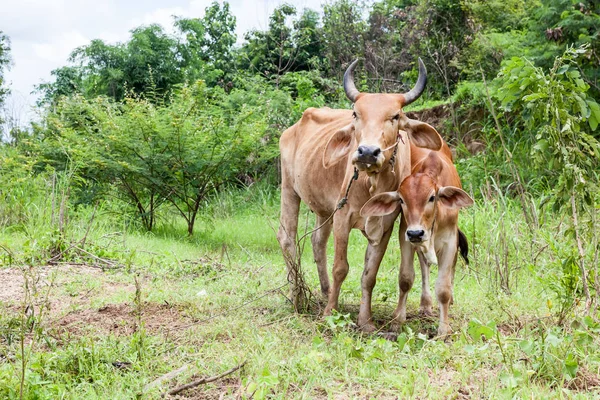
(208, 44)
(343, 34)
(5, 62)
(289, 44)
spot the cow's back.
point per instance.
(302, 147)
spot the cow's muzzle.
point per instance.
(368, 157)
(415, 236)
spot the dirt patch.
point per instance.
(68, 291)
(584, 381)
(435, 116)
(121, 320)
(11, 285)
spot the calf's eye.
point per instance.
(432, 199)
(354, 115)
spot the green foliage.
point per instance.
(558, 111)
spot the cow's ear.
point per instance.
(380, 205)
(338, 146)
(454, 197)
(422, 134)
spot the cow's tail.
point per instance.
(463, 246)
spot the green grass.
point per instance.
(218, 298)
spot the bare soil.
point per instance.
(122, 320)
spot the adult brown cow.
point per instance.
(318, 157)
(430, 199)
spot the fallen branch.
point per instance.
(202, 381)
(165, 377)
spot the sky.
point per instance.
(44, 32)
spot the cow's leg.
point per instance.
(319, 243)
(288, 228)
(426, 301)
(341, 232)
(373, 258)
(405, 279)
(443, 287)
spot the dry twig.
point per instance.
(202, 381)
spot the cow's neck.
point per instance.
(388, 177)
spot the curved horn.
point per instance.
(349, 87)
(419, 87)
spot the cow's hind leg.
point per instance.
(288, 229)
(319, 244)
(341, 229)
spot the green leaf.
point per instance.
(594, 118)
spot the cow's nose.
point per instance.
(415, 236)
(368, 153)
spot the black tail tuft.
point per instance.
(463, 246)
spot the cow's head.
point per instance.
(421, 200)
(378, 120)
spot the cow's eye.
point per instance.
(432, 199)
(354, 115)
(400, 201)
(396, 117)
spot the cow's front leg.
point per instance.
(443, 286)
(341, 232)
(373, 258)
(426, 302)
(405, 279)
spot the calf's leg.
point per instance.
(406, 277)
(426, 302)
(443, 287)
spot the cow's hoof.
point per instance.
(426, 311)
(368, 327)
(328, 311)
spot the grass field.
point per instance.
(119, 311)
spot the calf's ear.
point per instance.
(422, 134)
(338, 146)
(380, 205)
(454, 197)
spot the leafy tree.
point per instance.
(289, 44)
(563, 118)
(208, 42)
(343, 34)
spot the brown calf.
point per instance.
(430, 199)
(318, 157)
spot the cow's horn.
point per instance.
(349, 87)
(416, 91)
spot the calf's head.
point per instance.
(378, 119)
(421, 200)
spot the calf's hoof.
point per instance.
(444, 331)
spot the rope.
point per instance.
(339, 206)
